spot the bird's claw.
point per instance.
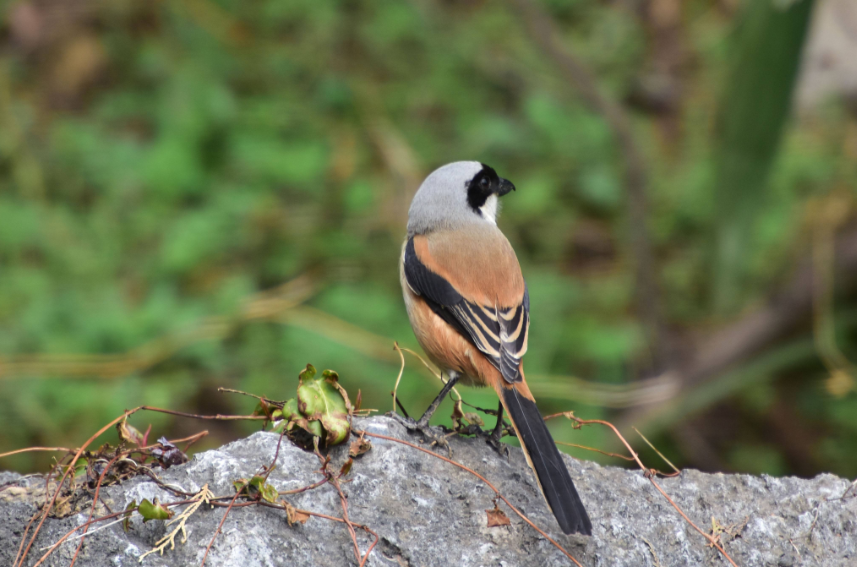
(493, 438)
(501, 448)
(433, 434)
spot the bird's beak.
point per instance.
(505, 187)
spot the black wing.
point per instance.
(500, 334)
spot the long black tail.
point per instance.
(545, 460)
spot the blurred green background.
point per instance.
(212, 193)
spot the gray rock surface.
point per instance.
(430, 513)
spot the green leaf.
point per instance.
(312, 427)
(256, 488)
(323, 399)
(80, 466)
(290, 410)
(269, 493)
(153, 510)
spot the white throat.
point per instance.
(489, 209)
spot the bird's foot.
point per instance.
(435, 435)
(492, 438)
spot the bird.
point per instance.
(469, 307)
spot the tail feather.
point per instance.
(544, 458)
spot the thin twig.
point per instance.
(326, 517)
(342, 500)
(190, 439)
(333, 479)
(483, 479)
(243, 393)
(401, 371)
(90, 532)
(268, 471)
(276, 455)
(31, 449)
(667, 461)
(69, 470)
(437, 374)
(26, 531)
(219, 526)
(371, 547)
(69, 533)
(91, 510)
(652, 549)
(219, 417)
(303, 489)
(649, 476)
(593, 449)
(847, 490)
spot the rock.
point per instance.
(427, 512)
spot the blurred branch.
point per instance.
(342, 332)
(707, 370)
(704, 379)
(283, 304)
(398, 157)
(395, 150)
(216, 21)
(827, 215)
(632, 394)
(543, 32)
(268, 304)
(690, 400)
(568, 388)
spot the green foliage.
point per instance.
(153, 510)
(322, 399)
(755, 106)
(205, 151)
(321, 409)
(256, 488)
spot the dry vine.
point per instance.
(487, 483)
(650, 474)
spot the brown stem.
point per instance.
(70, 468)
(91, 511)
(649, 473)
(220, 417)
(785, 311)
(483, 479)
(31, 449)
(219, 526)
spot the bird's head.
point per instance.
(456, 194)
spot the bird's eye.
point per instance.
(484, 183)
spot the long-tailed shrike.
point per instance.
(469, 308)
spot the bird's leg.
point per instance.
(453, 379)
(422, 424)
(494, 438)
